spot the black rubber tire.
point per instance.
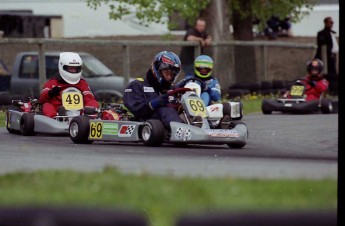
(326, 106)
(81, 123)
(27, 124)
(154, 133)
(236, 145)
(226, 108)
(265, 107)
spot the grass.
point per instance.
(162, 199)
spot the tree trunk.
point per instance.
(245, 64)
(218, 26)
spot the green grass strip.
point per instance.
(162, 199)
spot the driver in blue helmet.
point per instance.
(147, 97)
(203, 66)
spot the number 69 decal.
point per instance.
(197, 107)
(96, 130)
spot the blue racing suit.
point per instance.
(137, 97)
(212, 91)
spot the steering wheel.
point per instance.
(176, 92)
(202, 83)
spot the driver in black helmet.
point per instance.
(147, 98)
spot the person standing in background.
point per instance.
(326, 37)
(196, 33)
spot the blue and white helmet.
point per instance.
(166, 60)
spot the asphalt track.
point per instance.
(279, 146)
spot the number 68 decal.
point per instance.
(96, 130)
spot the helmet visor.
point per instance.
(72, 69)
(204, 70)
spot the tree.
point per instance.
(219, 15)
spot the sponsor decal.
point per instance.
(110, 128)
(128, 90)
(222, 133)
(18, 120)
(148, 89)
(183, 134)
(214, 108)
(126, 130)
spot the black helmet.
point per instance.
(314, 68)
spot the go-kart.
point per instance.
(85, 130)
(295, 102)
(26, 118)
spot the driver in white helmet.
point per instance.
(70, 69)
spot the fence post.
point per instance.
(126, 69)
(324, 58)
(41, 65)
(264, 61)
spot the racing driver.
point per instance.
(147, 97)
(70, 70)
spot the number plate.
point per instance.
(72, 100)
(196, 107)
(297, 90)
(96, 130)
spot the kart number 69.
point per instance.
(96, 130)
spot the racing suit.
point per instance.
(52, 104)
(140, 92)
(315, 88)
(212, 92)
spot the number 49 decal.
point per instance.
(96, 130)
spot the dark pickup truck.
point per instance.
(24, 81)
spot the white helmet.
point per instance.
(70, 67)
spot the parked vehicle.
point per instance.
(105, 85)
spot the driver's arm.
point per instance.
(135, 99)
(89, 98)
(44, 97)
(214, 90)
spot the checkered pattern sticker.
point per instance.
(183, 134)
(126, 130)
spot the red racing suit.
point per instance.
(315, 88)
(51, 105)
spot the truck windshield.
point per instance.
(92, 67)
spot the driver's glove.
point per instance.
(55, 91)
(160, 101)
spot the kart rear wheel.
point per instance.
(27, 124)
(237, 145)
(79, 130)
(326, 106)
(152, 133)
(226, 108)
(266, 109)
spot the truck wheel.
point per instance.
(266, 109)
(27, 124)
(79, 129)
(326, 106)
(152, 133)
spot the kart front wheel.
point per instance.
(266, 109)
(326, 106)
(27, 124)
(79, 130)
(152, 133)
